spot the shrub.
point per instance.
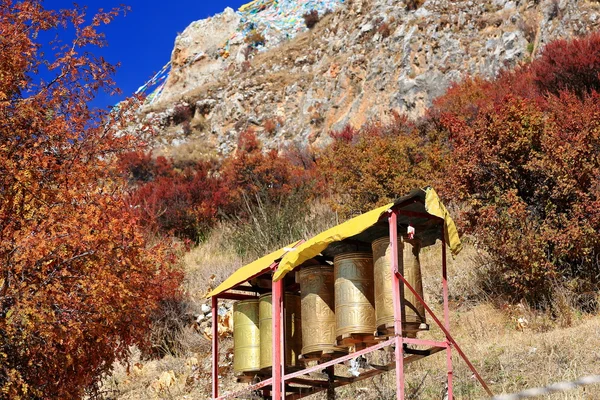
(572, 65)
(187, 200)
(311, 18)
(182, 112)
(523, 150)
(270, 125)
(266, 225)
(525, 175)
(255, 38)
(371, 166)
(252, 173)
(181, 202)
(137, 166)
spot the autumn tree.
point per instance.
(79, 278)
(373, 165)
(524, 168)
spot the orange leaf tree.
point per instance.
(78, 279)
(372, 166)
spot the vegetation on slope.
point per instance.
(516, 159)
(79, 278)
(517, 156)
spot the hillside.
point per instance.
(368, 59)
(515, 158)
(280, 121)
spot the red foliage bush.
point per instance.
(519, 155)
(252, 173)
(181, 202)
(189, 200)
(572, 65)
(524, 162)
(311, 18)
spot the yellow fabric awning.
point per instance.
(427, 202)
(418, 203)
(434, 206)
(251, 270)
(317, 244)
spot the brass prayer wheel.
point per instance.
(293, 332)
(413, 312)
(318, 309)
(246, 336)
(354, 294)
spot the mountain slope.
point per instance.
(365, 61)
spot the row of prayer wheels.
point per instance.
(352, 297)
(252, 333)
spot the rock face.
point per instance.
(367, 60)
(195, 60)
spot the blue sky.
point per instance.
(143, 39)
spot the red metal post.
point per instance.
(215, 346)
(449, 337)
(398, 301)
(446, 315)
(276, 335)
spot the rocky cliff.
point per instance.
(364, 59)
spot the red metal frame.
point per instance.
(278, 340)
(397, 297)
(446, 316)
(215, 346)
(277, 383)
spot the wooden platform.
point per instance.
(387, 331)
(354, 342)
(321, 355)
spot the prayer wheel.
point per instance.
(354, 295)
(293, 333)
(246, 336)
(318, 309)
(413, 312)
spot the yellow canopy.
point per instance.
(413, 209)
(417, 201)
(317, 244)
(434, 206)
(251, 270)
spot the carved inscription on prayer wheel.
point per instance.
(354, 294)
(246, 336)
(293, 332)
(318, 309)
(413, 312)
